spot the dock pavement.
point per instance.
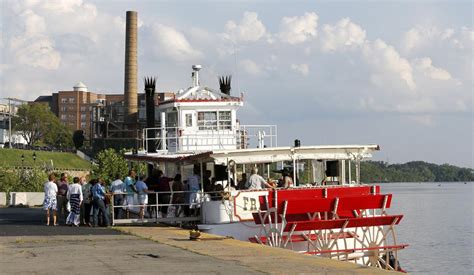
(28, 246)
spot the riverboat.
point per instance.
(327, 212)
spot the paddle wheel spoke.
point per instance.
(323, 226)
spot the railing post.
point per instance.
(156, 211)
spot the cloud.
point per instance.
(298, 29)
(387, 64)
(421, 37)
(302, 69)
(341, 36)
(250, 67)
(36, 51)
(172, 44)
(425, 66)
(32, 47)
(250, 29)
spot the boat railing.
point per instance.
(168, 207)
(175, 139)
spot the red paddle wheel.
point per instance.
(343, 223)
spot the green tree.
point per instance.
(59, 136)
(37, 123)
(110, 164)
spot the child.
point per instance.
(50, 202)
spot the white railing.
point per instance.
(174, 139)
(165, 209)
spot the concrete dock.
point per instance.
(27, 246)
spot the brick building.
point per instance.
(74, 108)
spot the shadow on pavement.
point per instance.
(31, 222)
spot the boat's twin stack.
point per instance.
(327, 212)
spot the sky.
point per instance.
(394, 73)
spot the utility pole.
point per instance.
(9, 123)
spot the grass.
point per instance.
(12, 157)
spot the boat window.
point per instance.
(221, 120)
(172, 119)
(189, 120)
(207, 120)
(225, 121)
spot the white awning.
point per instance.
(268, 155)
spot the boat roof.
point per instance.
(263, 155)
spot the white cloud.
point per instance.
(388, 64)
(173, 44)
(250, 67)
(426, 67)
(33, 47)
(36, 51)
(298, 29)
(33, 23)
(250, 29)
(341, 36)
(303, 69)
(420, 37)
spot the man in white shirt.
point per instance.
(256, 181)
(117, 187)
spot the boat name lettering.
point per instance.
(252, 202)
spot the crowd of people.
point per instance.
(88, 203)
(74, 204)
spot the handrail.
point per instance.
(177, 139)
(156, 206)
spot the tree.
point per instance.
(59, 136)
(36, 123)
(78, 138)
(109, 165)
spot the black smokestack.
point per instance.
(224, 84)
(150, 112)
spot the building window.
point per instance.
(72, 100)
(83, 108)
(83, 125)
(83, 117)
(63, 100)
(189, 120)
(63, 117)
(64, 108)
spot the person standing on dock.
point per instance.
(87, 202)
(63, 187)
(74, 196)
(98, 203)
(142, 190)
(50, 202)
(117, 187)
(131, 190)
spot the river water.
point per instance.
(437, 224)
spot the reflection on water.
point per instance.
(437, 224)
